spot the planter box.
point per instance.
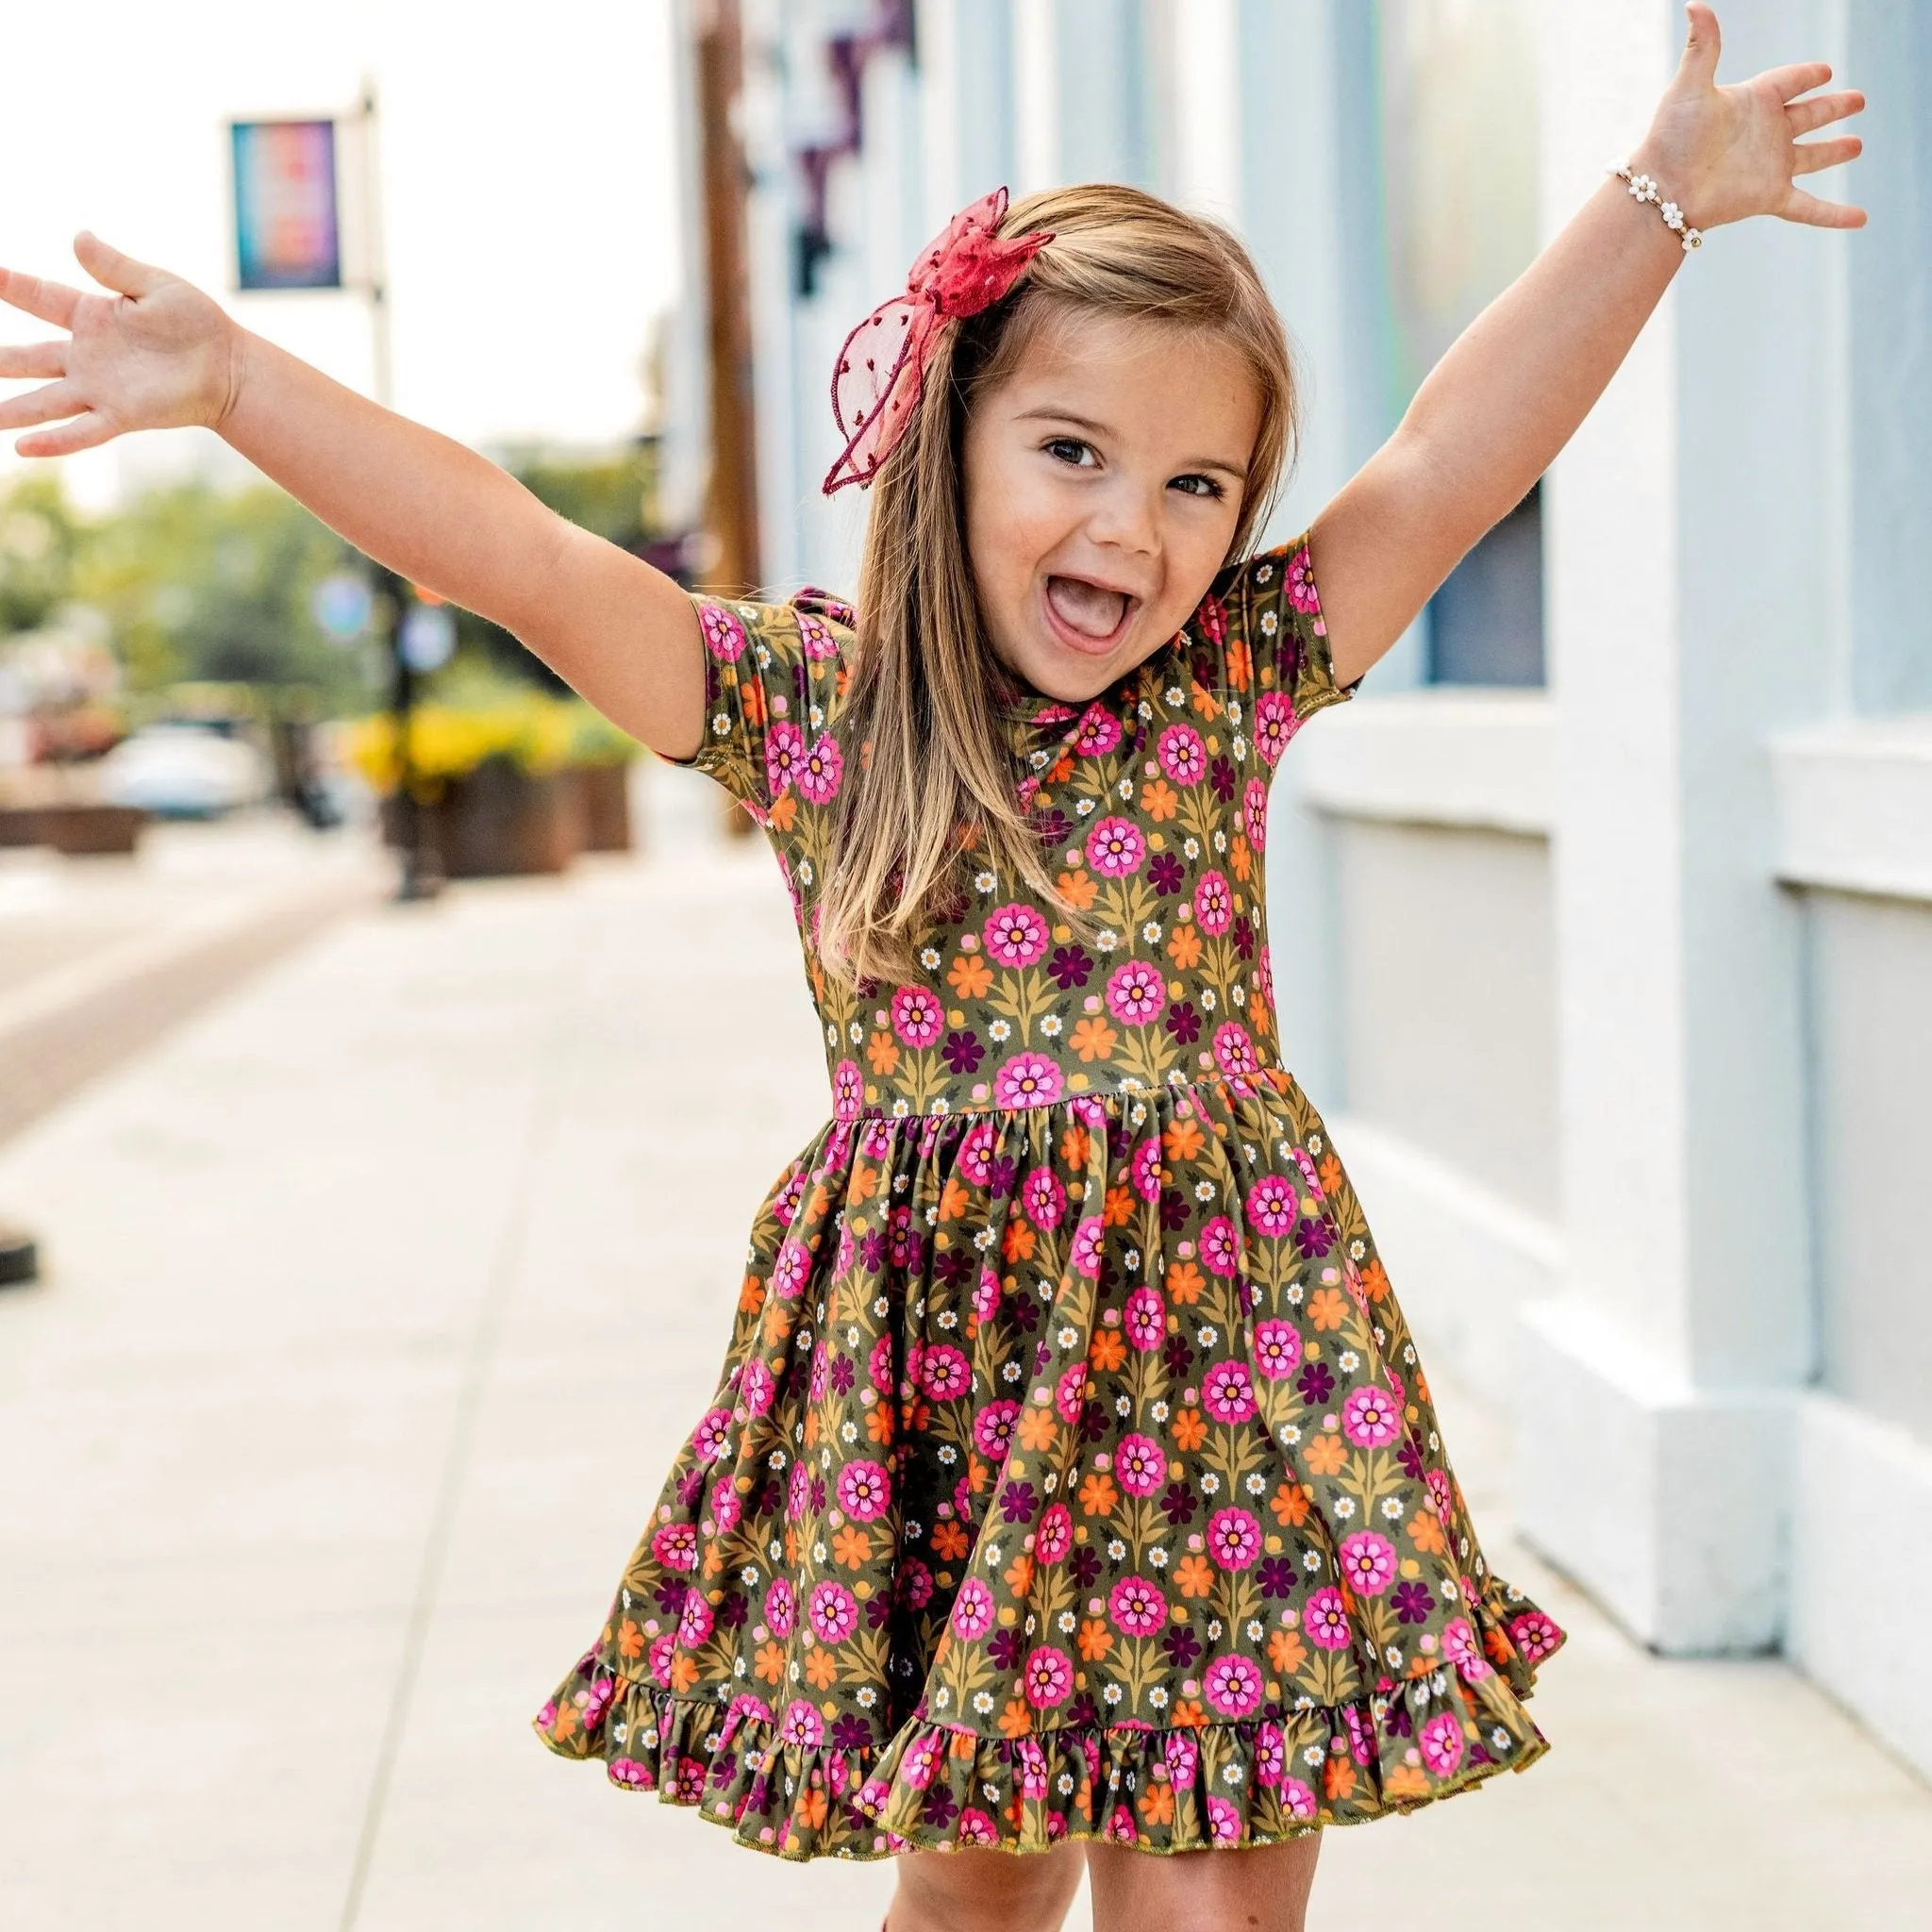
(604, 793)
(498, 821)
(78, 830)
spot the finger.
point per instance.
(113, 270)
(33, 359)
(85, 432)
(1701, 48)
(1805, 116)
(52, 302)
(1809, 156)
(1814, 213)
(46, 404)
(1794, 80)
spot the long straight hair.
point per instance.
(929, 704)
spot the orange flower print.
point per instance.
(1073, 1147)
(1187, 1715)
(878, 1422)
(955, 1201)
(1326, 1306)
(1338, 1779)
(970, 976)
(1185, 1283)
(1092, 1038)
(751, 1297)
(1330, 1170)
(852, 1547)
(1240, 858)
(1096, 1640)
(1286, 1653)
(630, 1640)
(1078, 890)
(1016, 1720)
(1119, 1207)
(684, 1672)
(1290, 1502)
(1193, 1576)
(1160, 801)
(1184, 948)
(1156, 1805)
(769, 1662)
(1038, 1428)
(1189, 1431)
(1107, 1350)
(1098, 1494)
(1018, 1576)
(950, 1540)
(812, 1807)
(1183, 1141)
(1376, 1282)
(1326, 1455)
(821, 1667)
(882, 1050)
(1425, 1533)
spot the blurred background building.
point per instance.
(1607, 907)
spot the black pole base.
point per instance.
(20, 1256)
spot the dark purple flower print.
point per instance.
(818, 1493)
(1176, 1352)
(1221, 776)
(1002, 1648)
(1069, 967)
(1184, 1023)
(1411, 1601)
(1276, 1578)
(1053, 826)
(1000, 1175)
(851, 1733)
(1177, 1500)
(879, 1611)
(671, 1595)
(1181, 1646)
(938, 1808)
(1410, 1460)
(1084, 1567)
(1316, 1383)
(842, 1373)
(953, 1265)
(872, 1252)
(1313, 1236)
(1017, 1502)
(691, 1487)
(1245, 939)
(962, 1052)
(1024, 1312)
(733, 1611)
(1173, 1209)
(1167, 874)
(1093, 1423)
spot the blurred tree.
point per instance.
(40, 536)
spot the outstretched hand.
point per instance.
(152, 352)
(1727, 153)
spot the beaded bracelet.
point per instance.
(1644, 188)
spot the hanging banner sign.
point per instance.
(286, 234)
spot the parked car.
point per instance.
(185, 769)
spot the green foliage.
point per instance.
(40, 536)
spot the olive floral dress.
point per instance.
(1071, 1473)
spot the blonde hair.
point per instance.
(929, 703)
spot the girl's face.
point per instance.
(1103, 484)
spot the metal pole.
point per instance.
(422, 864)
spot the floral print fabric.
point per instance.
(1071, 1473)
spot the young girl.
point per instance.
(1072, 1487)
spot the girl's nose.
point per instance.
(1125, 517)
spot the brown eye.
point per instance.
(1198, 486)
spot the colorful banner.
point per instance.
(286, 232)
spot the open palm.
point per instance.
(151, 352)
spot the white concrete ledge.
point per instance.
(1442, 756)
(1855, 805)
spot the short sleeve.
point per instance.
(771, 671)
(1261, 634)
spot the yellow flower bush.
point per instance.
(536, 733)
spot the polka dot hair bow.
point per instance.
(881, 370)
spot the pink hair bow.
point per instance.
(881, 370)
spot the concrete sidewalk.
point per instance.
(379, 1298)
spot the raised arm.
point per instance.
(1518, 380)
(157, 353)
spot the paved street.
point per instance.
(379, 1296)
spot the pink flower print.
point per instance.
(631, 1773)
(797, 1492)
(1028, 1080)
(1324, 1620)
(1016, 935)
(724, 633)
(1137, 1607)
(976, 1828)
(1183, 756)
(878, 1364)
(725, 1508)
(1226, 1393)
(865, 1490)
(1220, 1248)
(1234, 1539)
(1119, 1825)
(1535, 1635)
(1298, 1800)
(1033, 1773)
(1070, 1392)
(1234, 1051)
(695, 1621)
(1085, 1255)
(1212, 619)
(972, 1611)
(1233, 1685)
(815, 634)
(976, 1152)
(1441, 1743)
(1370, 1419)
(660, 1655)
(1144, 1169)
(821, 1371)
(1278, 1349)
(992, 1429)
(1442, 1493)
(1055, 1535)
(1272, 1208)
(1042, 1199)
(675, 1546)
(1368, 1562)
(921, 1762)
(1214, 904)
(801, 1728)
(946, 1373)
(1274, 725)
(1461, 1647)
(1143, 1321)
(708, 1440)
(1141, 1464)
(785, 1202)
(832, 1611)
(918, 1018)
(1301, 583)
(758, 1388)
(1099, 732)
(1136, 993)
(1361, 1734)
(848, 1090)
(1115, 848)
(820, 771)
(913, 1583)
(790, 1267)
(1271, 1756)
(1223, 1821)
(1255, 812)
(783, 754)
(985, 1297)
(1264, 986)
(1047, 1678)
(1182, 1756)
(598, 1701)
